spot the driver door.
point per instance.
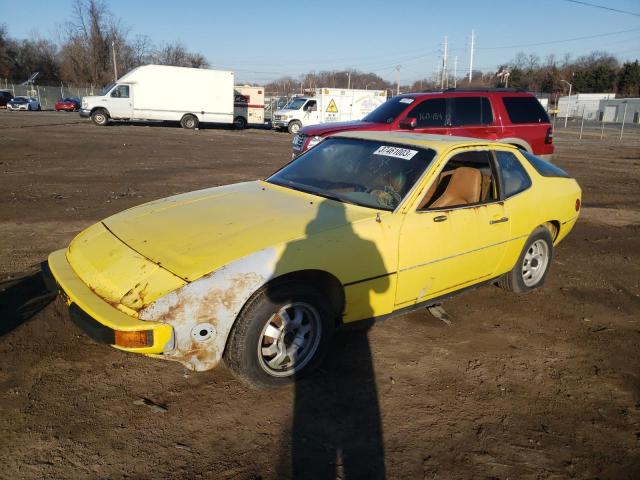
(310, 113)
(120, 102)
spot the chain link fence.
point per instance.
(49, 94)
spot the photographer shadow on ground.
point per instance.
(22, 297)
(336, 429)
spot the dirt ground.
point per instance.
(540, 386)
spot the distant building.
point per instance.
(613, 110)
(586, 104)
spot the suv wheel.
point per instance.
(100, 117)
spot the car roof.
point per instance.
(424, 140)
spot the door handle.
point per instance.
(499, 220)
(440, 218)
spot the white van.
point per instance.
(159, 92)
(327, 105)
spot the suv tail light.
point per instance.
(549, 137)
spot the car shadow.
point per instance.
(336, 430)
(21, 298)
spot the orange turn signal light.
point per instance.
(577, 204)
(136, 339)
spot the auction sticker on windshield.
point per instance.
(397, 152)
(408, 101)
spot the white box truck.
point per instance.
(160, 92)
(248, 105)
(327, 105)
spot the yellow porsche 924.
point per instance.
(360, 227)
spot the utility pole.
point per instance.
(398, 79)
(455, 71)
(445, 75)
(115, 66)
(349, 81)
(471, 57)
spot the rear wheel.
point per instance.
(239, 123)
(190, 122)
(533, 264)
(294, 127)
(282, 333)
(100, 117)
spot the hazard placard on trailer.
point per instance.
(332, 108)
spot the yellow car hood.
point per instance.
(195, 233)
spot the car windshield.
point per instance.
(68, 99)
(106, 89)
(21, 99)
(389, 110)
(295, 104)
(368, 173)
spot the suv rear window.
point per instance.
(470, 111)
(525, 110)
(543, 167)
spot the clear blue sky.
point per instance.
(262, 40)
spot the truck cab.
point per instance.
(114, 101)
(299, 112)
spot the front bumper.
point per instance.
(280, 123)
(19, 107)
(84, 113)
(99, 319)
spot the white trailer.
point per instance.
(248, 105)
(159, 92)
(327, 105)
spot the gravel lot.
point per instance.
(543, 386)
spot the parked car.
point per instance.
(363, 226)
(5, 96)
(23, 103)
(68, 104)
(511, 116)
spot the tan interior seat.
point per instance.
(464, 187)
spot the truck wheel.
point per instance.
(189, 122)
(100, 117)
(533, 264)
(282, 333)
(239, 123)
(294, 127)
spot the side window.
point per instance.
(470, 111)
(514, 177)
(121, 91)
(466, 179)
(430, 113)
(310, 106)
(525, 109)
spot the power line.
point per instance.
(561, 41)
(603, 7)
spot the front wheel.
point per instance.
(533, 264)
(282, 334)
(294, 127)
(100, 117)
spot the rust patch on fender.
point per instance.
(217, 305)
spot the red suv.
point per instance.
(511, 116)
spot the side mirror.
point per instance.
(408, 123)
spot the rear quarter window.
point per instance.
(514, 177)
(525, 110)
(545, 168)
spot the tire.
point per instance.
(294, 127)
(29, 108)
(258, 356)
(533, 264)
(100, 117)
(239, 123)
(39, 108)
(190, 122)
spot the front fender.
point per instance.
(203, 312)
